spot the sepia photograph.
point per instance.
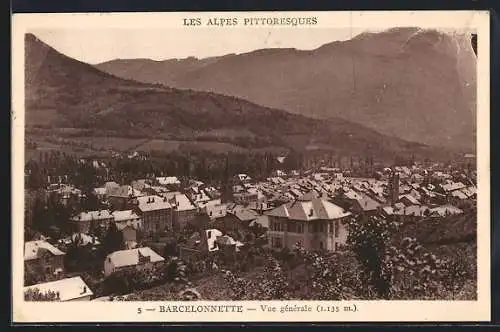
(250, 158)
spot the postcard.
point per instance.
(251, 167)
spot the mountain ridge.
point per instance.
(73, 99)
(405, 82)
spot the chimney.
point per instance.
(311, 212)
(84, 290)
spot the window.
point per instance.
(276, 242)
(337, 228)
(277, 226)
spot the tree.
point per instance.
(368, 240)
(271, 285)
(113, 240)
(34, 294)
(323, 273)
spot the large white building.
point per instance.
(316, 223)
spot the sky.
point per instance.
(99, 45)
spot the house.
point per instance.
(42, 257)
(68, 289)
(100, 192)
(81, 240)
(410, 213)
(128, 222)
(199, 197)
(444, 211)
(84, 221)
(242, 178)
(260, 207)
(357, 203)
(213, 193)
(214, 240)
(170, 182)
(140, 184)
(156, 213)
(236, 219)
(184, 212)
(215, 211)
(408, 200)
(123, 197)
(450, 186)
(127, 217)
(316, 223)
(139, 258)
(65, 193)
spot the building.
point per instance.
(357, 203)
(245, 197)
(170, 182)
(42, 257)
(393, 188)
(139, 258)
(123, 197)
(215, 211)
(236, 219)
(184, 212)
(84, 221)
(128, 222)
(69, 289)
(316, 223)
(156, 213)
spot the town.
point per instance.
(92, 234)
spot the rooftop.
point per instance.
(309, 210)
(130, 257)
(68, 289)
(34, 249)
(153, 203)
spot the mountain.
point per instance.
(415, 84)
(72, 99)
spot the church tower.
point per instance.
(393, 187)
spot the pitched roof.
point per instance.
(152, 203)
(68, 289)
(93, 215)
(183, 203)
(130, 257)
(442, 210)
(309, 210)
(367, 204)
(411, 199)
(124, 215)
(167, 180)
(124, 191)
(309, 196)
(261, 220)
(245, 214)
(216, 211)
(34, 249)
